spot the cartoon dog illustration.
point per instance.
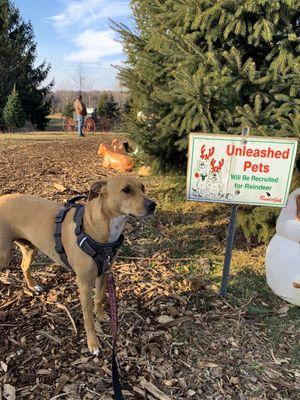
(202, 170)
(203, 165)
(201, 187)
(215, 186)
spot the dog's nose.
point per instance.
(150, 205)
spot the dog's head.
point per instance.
(122, 195)
(103, 148)
(115, 142)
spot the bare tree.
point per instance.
(89, 87)
(83, 82)
(79, 78)
(65, 95)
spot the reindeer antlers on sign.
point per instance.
(208, 155)
(216, 168)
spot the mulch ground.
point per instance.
(177, 338)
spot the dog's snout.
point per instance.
(150, 205)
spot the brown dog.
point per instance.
(115, 146)
(29, 222)
(118, 146)
(119, 162)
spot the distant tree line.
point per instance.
(92, 98)
(23, 93)
(109, 105)
(61, 97)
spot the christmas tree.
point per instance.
(13, 112)
(68, 109)
(213, 66)
(107, 107)
(111, 110)
(18, 66)
(101, 104)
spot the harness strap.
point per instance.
(82, 239)
(59, 248)
(102, 253)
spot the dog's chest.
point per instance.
(116, 227)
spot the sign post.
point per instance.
(239, 170)
(230, 238)
(229, 248)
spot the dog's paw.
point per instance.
(38, 289)
(96, 352)
(94, 346)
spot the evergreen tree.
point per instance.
(213, 66)
(107, 107)
(13, 112)
(111, 108)
(68, 109)
(127, 106)
(17, 59)
(2, 122)
(101, 104)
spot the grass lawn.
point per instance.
(176, 332)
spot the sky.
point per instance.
(72, 33)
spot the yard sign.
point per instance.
(240, 170)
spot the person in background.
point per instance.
(80, 110)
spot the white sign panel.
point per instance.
(240, 170)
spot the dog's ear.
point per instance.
(96, 189)
(298, 206)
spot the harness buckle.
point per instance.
(82, 241)
(106, 264)
(59, 219)
(108, 261)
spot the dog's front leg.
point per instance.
(85, 291)
(101, 284)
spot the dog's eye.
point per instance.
(126, 189)
(143, 188)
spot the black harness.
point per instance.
(101, 253)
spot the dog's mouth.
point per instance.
(147, 212)
(143, 215)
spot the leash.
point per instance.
(114, 328)
(102, 254)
